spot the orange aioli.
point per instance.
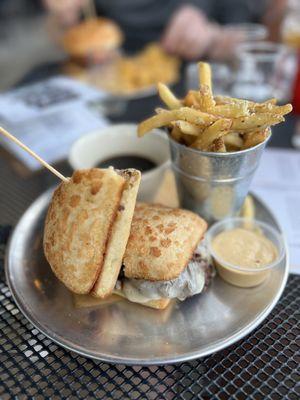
(242, 256)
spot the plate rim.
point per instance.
(188, 356)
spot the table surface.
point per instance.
(264, 365)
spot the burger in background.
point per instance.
(93, 40)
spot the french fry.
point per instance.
(251, 104)
(282, 110)
(234, 140)
(205, 99)
(205, 75)
(255, 122)
(188, 139)
(219, 123)
(191, 100)
(266, 106)
(164, 117)
(248, 212)
(252, 139)
(188, 128)
(176, 133)
(235, 110)
(213, 132)
(168, 97)
(270, 101)
(221, 100)
(218, 146)
(248, 208)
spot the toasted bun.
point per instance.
(119, 235)
(79, 225)
(161, 242)
(93, 35)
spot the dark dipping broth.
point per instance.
(128, 161)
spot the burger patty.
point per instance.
(193, 280)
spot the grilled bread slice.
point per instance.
(79, 226)
(117, 242)
(161, 242)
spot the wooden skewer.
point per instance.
(93, 10)
(24, 147)
(89, 10)
(86, 12)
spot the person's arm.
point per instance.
(67, 12)
(188, 33)
(273, 18)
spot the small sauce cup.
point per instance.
(238, 275)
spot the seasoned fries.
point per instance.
(168, 97)
(214, 123)
(205, 75)
(254, 138)
(165, 117)
(212, 133)
(188, 128)
(205, 99)
(233, 141)
(127, 75)
(218, 146)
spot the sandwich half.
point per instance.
(164, 258)
(87, 228)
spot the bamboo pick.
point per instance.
(93, 11)
(89, 10)
(38, 158)
(86, 12)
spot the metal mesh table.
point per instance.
(265, 365)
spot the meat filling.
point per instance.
(193, 280)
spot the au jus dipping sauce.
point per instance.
(140, 163)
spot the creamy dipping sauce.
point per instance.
(246, 249)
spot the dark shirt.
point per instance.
(143, 21)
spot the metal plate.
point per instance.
(125, 332)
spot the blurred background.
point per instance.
(70, 67)
(32, 33)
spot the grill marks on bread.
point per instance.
(161, 242)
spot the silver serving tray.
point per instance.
(128, 333)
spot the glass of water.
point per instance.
(263, 70)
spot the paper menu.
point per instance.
(277, 183)
(279, 168)
(48, 117)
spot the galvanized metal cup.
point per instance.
(214, 185)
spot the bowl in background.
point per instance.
(121, 139)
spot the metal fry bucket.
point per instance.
(214, 185)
